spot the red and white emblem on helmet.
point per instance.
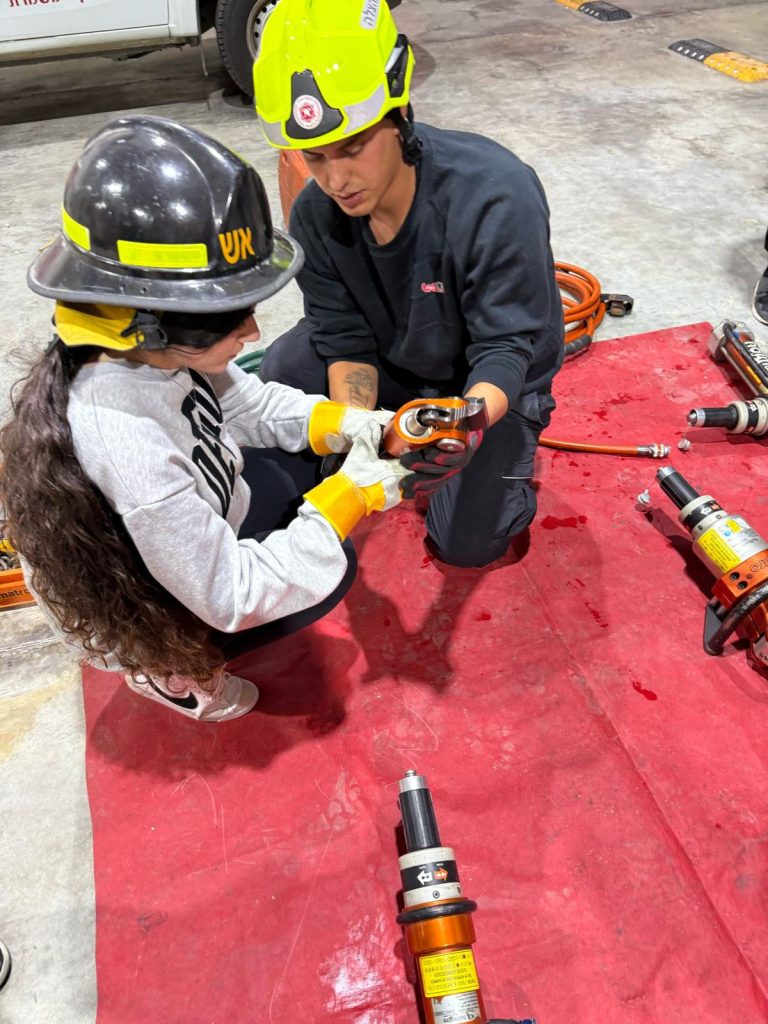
(307, 112)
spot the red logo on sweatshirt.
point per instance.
(433, 286)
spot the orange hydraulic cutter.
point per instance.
(437, 917)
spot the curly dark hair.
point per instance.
(81, 559)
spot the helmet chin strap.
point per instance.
(411, 143)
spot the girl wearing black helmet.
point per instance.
(152, 488)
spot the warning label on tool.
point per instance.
(462, 1009)
(446, 974)
(729, 542)
(430, 873)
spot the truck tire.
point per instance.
(238, 27)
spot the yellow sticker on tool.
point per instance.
(445, 974)
(728, 543)
(718, 552)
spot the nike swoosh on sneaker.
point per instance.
(189, 702)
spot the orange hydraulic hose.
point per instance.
(583, 305)
(652, 451)
(584, 311)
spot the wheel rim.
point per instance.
(255, 24)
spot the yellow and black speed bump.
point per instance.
(737, 65)
(597, 9)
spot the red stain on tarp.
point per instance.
(426, 560)
(648, 694)
(597, 617)
(483, 617)
(601, 413)
(621, 399)
(552, 522)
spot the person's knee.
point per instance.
(291, 359)
(473, 548)
(277, 365)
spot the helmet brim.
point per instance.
(59, 272)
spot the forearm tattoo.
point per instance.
(361, 384)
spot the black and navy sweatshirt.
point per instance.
(465, 293)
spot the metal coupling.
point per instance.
(654, 451)
(617, 305)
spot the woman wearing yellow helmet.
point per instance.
(428, 266)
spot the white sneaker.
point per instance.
(231, 698)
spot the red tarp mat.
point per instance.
(602, 780)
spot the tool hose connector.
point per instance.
(742, 417)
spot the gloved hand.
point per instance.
(364, 484)
(430, 468)
(333, 426)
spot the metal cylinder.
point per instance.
(676, 486)
(418, 815)
(727, 417)
(741, 417)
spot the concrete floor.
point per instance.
(655, 171)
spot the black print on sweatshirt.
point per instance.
(202, 410)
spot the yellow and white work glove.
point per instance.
(333, 427)
(364, 484)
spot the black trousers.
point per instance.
(473, 518)
(278, 481)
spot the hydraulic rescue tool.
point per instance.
(734, 344)
(437, 918)
(740, 417)
(733, 552)
(446, 423)
(13, 590)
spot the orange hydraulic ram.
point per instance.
(737, 555)
(437, 918)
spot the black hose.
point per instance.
(573, 348)
(735, 617)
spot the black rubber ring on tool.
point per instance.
(434, 910)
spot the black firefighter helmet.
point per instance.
(158, 215)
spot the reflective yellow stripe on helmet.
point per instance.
(155, 255)
(77, 233)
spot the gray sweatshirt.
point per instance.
(163, 448)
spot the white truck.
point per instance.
(37, 30)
